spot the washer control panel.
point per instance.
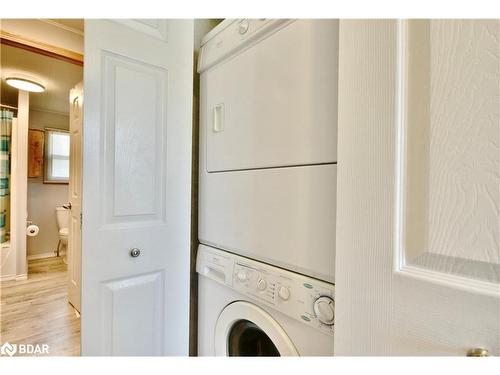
(308, 300)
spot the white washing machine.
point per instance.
(247, 308)
(268, 142)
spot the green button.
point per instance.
(305, 318)
(308, 286)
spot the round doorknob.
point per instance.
(135, 252)
(477, 352)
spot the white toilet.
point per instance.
(62, 216)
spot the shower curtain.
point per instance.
(5, 142)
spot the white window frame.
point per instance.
(48, 157)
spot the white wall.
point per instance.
(43, 198)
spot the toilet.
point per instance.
(62, 217)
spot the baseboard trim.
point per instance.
(7, 278)
(45, 255)
(22, 277)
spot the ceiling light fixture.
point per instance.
(25, 84)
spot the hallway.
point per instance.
(36, 311)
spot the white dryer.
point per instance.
(247, 308)
(268, 142)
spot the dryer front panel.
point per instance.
(273, 103)
(283, 216)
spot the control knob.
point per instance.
(242, 275)
(324, 310)
(261, 284)
(243, 27)
(284, 293)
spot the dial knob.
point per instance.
(261, 284)
(242, 275)
(324, 310)
(243, 27)
(284, 293)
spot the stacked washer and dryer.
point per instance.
(267, 188)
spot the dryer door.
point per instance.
(244, 329)
(272, 103)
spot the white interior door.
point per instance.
(418, 259)
(136, 187)
(75, 195)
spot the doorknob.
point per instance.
(135, 252)
(477, 352)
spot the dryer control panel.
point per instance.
(308, 300)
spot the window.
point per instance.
(56, 156)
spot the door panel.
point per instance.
(418, 172)
(137, 173)
(451, 204)
(136, 124)
(75, 196)
(154, 27)
(139, 332)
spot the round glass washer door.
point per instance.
(244, 329)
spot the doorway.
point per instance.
(137, 184)
(40, 269)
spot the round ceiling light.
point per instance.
(25, 84)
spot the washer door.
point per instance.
(244, 329)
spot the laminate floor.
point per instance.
(36, 310)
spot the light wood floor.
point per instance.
(36, 311)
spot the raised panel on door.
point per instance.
(135, 125)
(449, 167)
(418, 188)
(74, 264)
(448, 215)
(154, 27)
(75, 196)
(76, 103)
(139, 332)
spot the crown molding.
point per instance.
(54, 112)
(61, 26)
(40, 48)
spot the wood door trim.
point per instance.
(41, 48)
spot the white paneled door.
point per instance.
(418, 257)
(75, 196)
(136, 187)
